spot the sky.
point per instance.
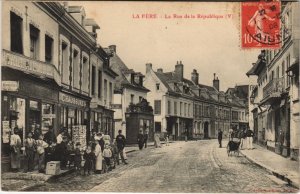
(208, 45)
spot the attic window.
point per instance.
(157, 86)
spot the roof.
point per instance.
(91, 22)
(118, 66)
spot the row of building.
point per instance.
(56, 75)
(274, 98)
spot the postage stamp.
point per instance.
(260, 25)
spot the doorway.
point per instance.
(206, 135)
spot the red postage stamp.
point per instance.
(260, 23)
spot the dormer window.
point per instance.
(157, 86)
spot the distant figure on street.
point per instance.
(167, 140)
(140, 139)
(77, 158)
(146, 136)
(220, 136)
(121, 140)
(242, 136)
(157, 141)
(249, 139)
(185, 135)
(89, 158)
(230, 133)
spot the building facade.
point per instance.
(129, 92)
(277, 92)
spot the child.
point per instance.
(107, 156)
(167, 140)
(70, 153)
(114, 151)
(88, 157)
(30, 147)
(41, 145)
(77, 158)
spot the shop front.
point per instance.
(74, 116)
(139, 117)
(102, 121)
(28, 103)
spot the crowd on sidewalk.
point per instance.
(100, 155)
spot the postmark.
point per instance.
(261, 25)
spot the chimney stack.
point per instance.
(113, 48)
(216, 82)
(160, 70)
(195, 77)
(179, 70)
(148, 67)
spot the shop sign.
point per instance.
(71, 100)
(11, 86)
(49, 116)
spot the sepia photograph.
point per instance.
(150, 97)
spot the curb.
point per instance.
(276, 173)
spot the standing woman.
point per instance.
(15, 144)
(98, 154)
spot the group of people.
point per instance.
(142, 139)
(101, 154)
(245, 136)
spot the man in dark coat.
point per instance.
(120, 139)
(140, 139)
(220, 136)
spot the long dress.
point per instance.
(98, 154)
(15, 143)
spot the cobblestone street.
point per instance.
(196, 166)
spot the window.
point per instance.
(105, 91)
(110, 92)
(272, 75)
(169, 107)
(132, 98)
(180, 108)
(34, 42)
(157, 107)
(140, 99)
(175, 108)
(48, 49)
(282, 69)
(99, 83)
(65, 62)
(76, 69)
(16, 40)
(185, 109)
(189, 109)
(277, 72)
(93, 79)
(288, 61)
(157, 86)
(85, 75)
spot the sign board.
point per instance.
(10, 86)
(71, 100)
(49, 116)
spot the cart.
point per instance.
(233, 146)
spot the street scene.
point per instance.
(143, 97)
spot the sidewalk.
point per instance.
(284, 168)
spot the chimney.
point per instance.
(160, 70)
(195, 77)
(179, 70)
(113, 48)
(216, 82)
(148, 67)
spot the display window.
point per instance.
(48, 117)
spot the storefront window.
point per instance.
(47, 117)
(34, 114)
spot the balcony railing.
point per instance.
(274, 88)
(29, 65)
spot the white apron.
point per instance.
(98, 154)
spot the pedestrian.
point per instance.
(242, 137)
(101, 141)
(41, 145)
(77, 158)
(98, 158)
(220, 136)
(185, 135)
(167, 140)
(49, 136)
(37, 132)
(115, 152)
(230, 132)
(140, 139)
(70, 153)
(30, 148)
(15, 146)
(64, 153)
(249, 139)
(88, 157)
(107, 156)
(146, 136)
(157, 141)
(120, 139)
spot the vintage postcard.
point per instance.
(150, 97)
